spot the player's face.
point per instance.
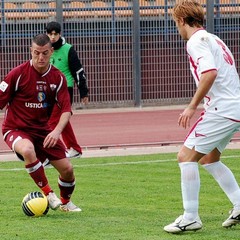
(41, 56)
(54, 37)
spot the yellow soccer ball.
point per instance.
(35, 204)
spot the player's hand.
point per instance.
(84, 100)
(185, 117)
(51, 139)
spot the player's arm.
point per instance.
(7, 87)
(4, 96)
(52, 137)
(78, 73)
(63, 102)
(206, 81)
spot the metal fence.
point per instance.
(130, 50)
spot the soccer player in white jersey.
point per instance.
(29, 92)
(213, 69)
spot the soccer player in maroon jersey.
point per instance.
(29, 92)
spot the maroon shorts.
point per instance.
(55, 153)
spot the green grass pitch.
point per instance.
(122, 198)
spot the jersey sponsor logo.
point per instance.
(41, 96)
(35, 105)
(3, 86)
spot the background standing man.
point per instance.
(30, 91)
(65, 58)
(213, 68)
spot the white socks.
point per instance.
(190, 183)
(225, 178)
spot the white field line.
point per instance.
(114, 163)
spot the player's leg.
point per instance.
(68, 136)
(66, 180)
(69, 139)
(195, 147)
(226, 180)
(22, 145)
(209, 136)
(190, 186)
(66, 183)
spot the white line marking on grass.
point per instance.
(114, 163)
(137, 162)
(11, 169)
(125, 163)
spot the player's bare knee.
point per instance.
(181, 156)
(28, 153)
(67, 173)
(26, 149)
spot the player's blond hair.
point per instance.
(190, 11)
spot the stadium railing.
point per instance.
(106, 32)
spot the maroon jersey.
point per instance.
(30, 97)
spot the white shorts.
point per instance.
(211, 131)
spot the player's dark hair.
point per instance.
(191, 11)
(41, 40)
(53, 26)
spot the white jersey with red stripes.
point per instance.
(208, 52)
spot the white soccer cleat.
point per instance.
(70, 207)
(53, 200)
(233, 219)
(182, 225)
(72, 153)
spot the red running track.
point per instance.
(126, 127)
